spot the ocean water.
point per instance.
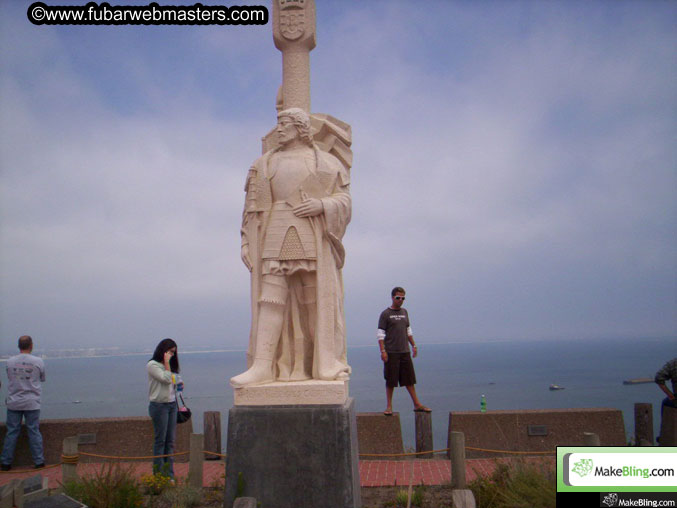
(451, 377)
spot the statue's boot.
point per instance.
(259, 373)
(271, 317)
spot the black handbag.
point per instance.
(183, 414)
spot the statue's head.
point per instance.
(300, 119)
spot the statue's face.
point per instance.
(286, 130)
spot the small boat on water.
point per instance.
(77, 402)
(556, 387)
(638, 381)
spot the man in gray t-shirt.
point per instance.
(25, 372)
(394, 337)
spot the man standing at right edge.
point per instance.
(394, 337)
(667, 372)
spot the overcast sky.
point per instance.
(514, 169)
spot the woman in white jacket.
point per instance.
(163, 370)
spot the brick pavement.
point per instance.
(378, 473)
(381, 473)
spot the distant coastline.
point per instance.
(105, 353)
(52, 354)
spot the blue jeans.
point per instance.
(163, 415)
(14, 428)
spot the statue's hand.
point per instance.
(310, 207)
(246, 259)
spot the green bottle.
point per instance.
(483, 404)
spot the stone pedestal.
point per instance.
(293, 393)
(293, 456)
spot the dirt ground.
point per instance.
(435, 496)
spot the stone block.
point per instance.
(293, 456)
(424, 434)
(643, 423)
(7, 494)
(57, 501)
(39, 493)
(463, 498)
(537, 430)
(379, 434)
(212, 434)
(245, 502)
(32, 483)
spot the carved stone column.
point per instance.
(294, 36)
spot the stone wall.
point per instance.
(536, 430)
(526, 430)
(131, 436)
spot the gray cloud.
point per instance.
(514, 170)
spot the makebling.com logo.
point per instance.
(583, 467)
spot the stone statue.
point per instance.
(297, 207)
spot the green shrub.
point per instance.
(519, 485)
(214, 493)
(417, 496)
(182, 496)
(113, 486)
(156, 483)
(402, 497)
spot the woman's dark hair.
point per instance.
(159, 354)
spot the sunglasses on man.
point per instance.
(399, 298)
